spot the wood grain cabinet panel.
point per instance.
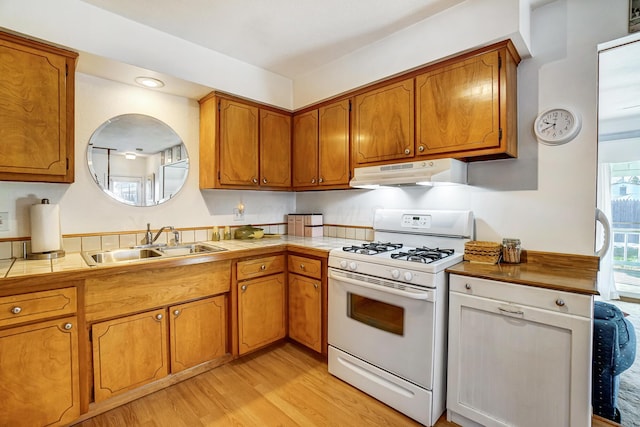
(39, 377)
(467, 108)
(305, 311)
(23, 308)
(129, 352)
(238, 143)
(198, 332)
(305, 149)
(259, 267)
(383, 124)
(37, 84)
(275, 149)
(261, 312)
(306, 266)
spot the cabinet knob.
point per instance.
(16, 310)
(467, 286)
(264, 180)
(313, 180)
(560, 302)
(243, 287)
(68, 326)
(407, 151)
(158, 316)
(254, 180)
(301, 266)
(263, 267)
(421, 148)
(321, 180)
(176, 313)
(315, 286)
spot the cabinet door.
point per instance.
(517, 365)
(129, 352)
(198, 332)
(305, 149)
(383, 126)
(39, 383)
(305, 311)
(458, 107)
(238, 163)
(261, 312)
(275, 149)
(334, 144)
(36, 124)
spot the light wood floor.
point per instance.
(285, 385)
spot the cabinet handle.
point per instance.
(517, 313)
(255, 181)
(263, 267)
(176, 313)
(321, 180)
(16, 310)
(68, 326)
(560, 302)
(264, 180)
(421, 148)
(467, 286)
(313, 180)
(158, 316)
(243, 287)
(407, 151)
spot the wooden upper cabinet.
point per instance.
(37, 87)
(305, 149)
(238, 143)
(275, 149)
(383, 124)
(467, 108)
(321, 147)
(242, 145)
(333, 153)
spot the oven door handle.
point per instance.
(427, 294)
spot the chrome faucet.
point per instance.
(150, 238)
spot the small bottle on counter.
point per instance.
(215, 234)
(227, 233)
(511, 250)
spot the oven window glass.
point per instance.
(377, 314)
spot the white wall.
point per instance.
(546, 197)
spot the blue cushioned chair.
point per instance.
(614, 350)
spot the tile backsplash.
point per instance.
(98, 241)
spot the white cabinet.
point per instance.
(518, 355)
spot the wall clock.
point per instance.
(557, 126)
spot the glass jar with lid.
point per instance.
(511, 250)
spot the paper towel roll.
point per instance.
(45, 228)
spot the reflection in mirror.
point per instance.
(138, 160)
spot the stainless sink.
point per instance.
(119, 256)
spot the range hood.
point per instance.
(425, 172)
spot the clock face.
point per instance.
(557, 126)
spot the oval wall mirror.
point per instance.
(137, 160)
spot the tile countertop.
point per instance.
(15, 268)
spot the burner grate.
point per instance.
(424, 255)
(372, 248)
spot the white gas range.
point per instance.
(388, 308)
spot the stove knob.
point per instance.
(353, 266)
(408, 276)
(343, 264)
(395, 273)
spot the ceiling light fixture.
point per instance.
(130, 156)
(149, 82)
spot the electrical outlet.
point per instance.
(4, 221)
(238, 215)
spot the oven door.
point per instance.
(390, 328)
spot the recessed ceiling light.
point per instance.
(149, 82)
(130, 156)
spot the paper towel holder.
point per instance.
(49, 254)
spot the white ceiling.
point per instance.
(287, 37)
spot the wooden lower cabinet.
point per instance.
(305, 311)
(198, 332)
(261, 312)
(39, 383)
(129, 352)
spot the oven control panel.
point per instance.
(416, 221)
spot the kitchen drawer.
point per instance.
(23, 308)
(548, 299)
(260, 267)
(306, 266)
